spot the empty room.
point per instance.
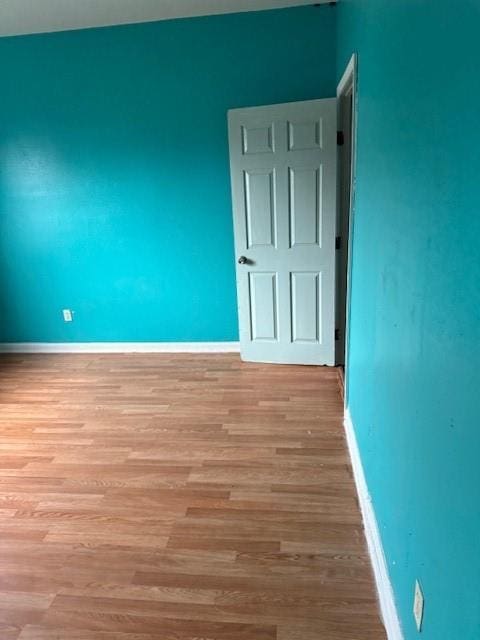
(239, 320)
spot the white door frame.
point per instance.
(347, 85)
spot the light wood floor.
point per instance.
(177, 497)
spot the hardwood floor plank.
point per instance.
(177, 497)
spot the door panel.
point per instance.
(306, 312)
(304, 205)
(260, 207)
(282, 160)
(257, 139)
(263, 306)
(304, 135)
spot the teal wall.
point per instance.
(114, 180)
(415, 318)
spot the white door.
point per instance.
(282, 161)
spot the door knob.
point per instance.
(242, 260)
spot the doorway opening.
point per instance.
(346, 109)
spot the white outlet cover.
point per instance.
(67, 315)
(418, 602)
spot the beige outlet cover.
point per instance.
(418, 603)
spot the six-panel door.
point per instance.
(283, 176)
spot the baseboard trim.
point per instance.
(119, 347)
(377, 556)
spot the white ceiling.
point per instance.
(38, 16)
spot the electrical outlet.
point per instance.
(68, 315)
(418, 603)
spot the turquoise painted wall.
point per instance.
(114, 179)
(415, 317)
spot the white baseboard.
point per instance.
(374, 541)
(119, 347)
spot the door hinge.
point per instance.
(338, 242)
(340, 138)
(337, 334)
